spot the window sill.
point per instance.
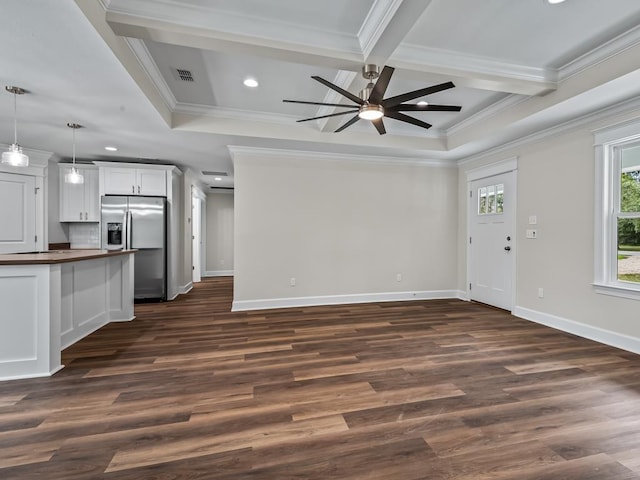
(617, 290)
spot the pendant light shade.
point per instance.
(14, 156)
(74, 176)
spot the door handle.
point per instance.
(507, 248)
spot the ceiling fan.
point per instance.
(371, 104)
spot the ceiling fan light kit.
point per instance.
(371, 104)
(14, 156)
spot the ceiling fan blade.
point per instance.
(341, 91)
(325, 116)
(406, 118)
(379, 126)
(405, 97)
(425, 108)
(377, 94)
(353, 120)
(321, 103)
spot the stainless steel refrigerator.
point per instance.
(140, 223)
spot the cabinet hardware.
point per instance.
(138, 189)
(133, 189)
(80, 215)
(86, 216)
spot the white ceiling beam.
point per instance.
(343, 57)
(243, 127)
(382, 31)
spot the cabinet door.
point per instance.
(91, 195)
(120, 181)
(17, 213)
(151, 182)
(71, 199)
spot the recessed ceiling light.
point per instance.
(423, 103)
(554, 2)
(218, 179)
(111, 149)
(250, 82)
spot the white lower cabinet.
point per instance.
(79, 202)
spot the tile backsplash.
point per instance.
(84, 235)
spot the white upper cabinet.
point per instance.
(135, 181)
(79, 202)
(17, 213)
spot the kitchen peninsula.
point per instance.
(51, 300)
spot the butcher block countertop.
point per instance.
(57, 256)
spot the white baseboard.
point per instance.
(243, 305)
(618, 340)
(218, 273)
(185, 288)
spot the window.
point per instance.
(491, 200)
(617, 255)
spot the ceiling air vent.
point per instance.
(184, 75)
(214, 174)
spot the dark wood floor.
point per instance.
(421, 390)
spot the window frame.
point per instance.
(608, 143)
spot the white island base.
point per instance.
(50, 301)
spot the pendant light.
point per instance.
(74, 176)
(14, 155)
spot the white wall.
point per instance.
(219, 234)
(341, 227)
(556, 183)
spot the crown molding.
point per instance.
(276, 153)
(233, 23)
(629, 39)
(495, 108)
(446, 59)
(149, 65)
(234, 113)
(620, 108)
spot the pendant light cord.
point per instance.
(15, 118)
(74, 147)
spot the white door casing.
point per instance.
(492, 239)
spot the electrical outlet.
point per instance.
(398, 277)
(292, 282)
(533, 220)
(540, 292)
(532, 233)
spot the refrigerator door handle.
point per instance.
(127, 217)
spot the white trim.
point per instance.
(234, 114)
(329, 156)
(625, 107)
(496, 168)
(508, 165)
(150, 67)
(607, 337)
(242, 305)
(379, 17)
(607, 197)
(218, 273)
(438, 58)
(492, 110)
(617, 291)
(185, 288)
(601, 53)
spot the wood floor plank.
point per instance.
(439, 389)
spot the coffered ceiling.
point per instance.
(114, 66)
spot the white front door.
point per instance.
(492, 240)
